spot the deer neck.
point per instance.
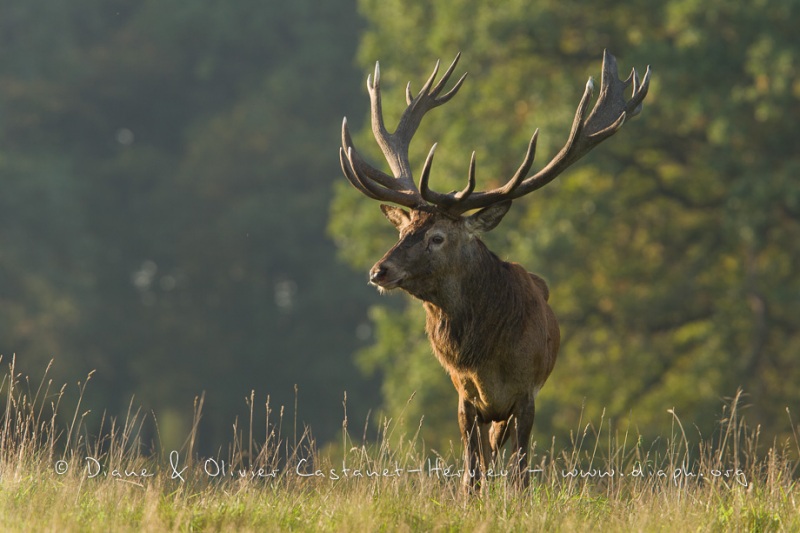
(458, 312)
(468, 287)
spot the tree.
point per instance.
(166, 176)
(667, 251)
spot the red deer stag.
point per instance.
(488, 320)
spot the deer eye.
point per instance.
(437, 239)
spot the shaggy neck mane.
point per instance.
(474, 310)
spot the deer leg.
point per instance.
(498, 437)
(475, 438)
(522, 425)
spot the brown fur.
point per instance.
(488, 321)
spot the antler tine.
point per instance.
(396, 154)
(359, 165)
(523, 169)
(369, 188)
(606, 118)
(639, 91)
(351, 174)
(470, 181)
(439, 100)
(445, 201)
(427, 85)
(424, 190)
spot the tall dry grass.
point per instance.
(56, 474)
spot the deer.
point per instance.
(489, 321)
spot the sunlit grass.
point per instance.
(54, 475)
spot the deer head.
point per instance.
(435, 235)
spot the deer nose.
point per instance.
(378, 274)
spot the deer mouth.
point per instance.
(386, 284)
(385, 278)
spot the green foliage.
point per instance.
(670, 250)
(166, 172)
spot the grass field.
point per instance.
(55, 476)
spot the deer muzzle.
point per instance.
(382, 275)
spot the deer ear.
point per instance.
(487, 218)
(397, 216)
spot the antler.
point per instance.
(374, 183)
(606, 118)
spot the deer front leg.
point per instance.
(521, 425)
(497, 437)
(475, 438)
(498, 434)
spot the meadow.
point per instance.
(57, 475)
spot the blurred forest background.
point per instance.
(172, 213)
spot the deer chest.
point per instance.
(493, 398)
